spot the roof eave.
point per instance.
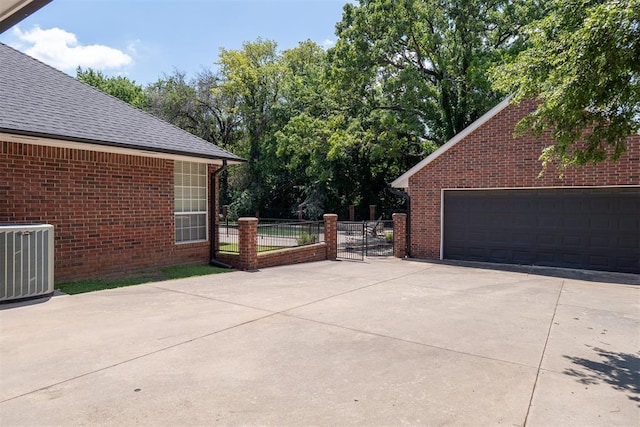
(231, 160)
(18, 11)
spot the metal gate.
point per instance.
(351, 242)
(357, 239)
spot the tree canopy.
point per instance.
(427, 60)
(583, 66)
(119, 86)
(325, 129)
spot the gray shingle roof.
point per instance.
(38, 100)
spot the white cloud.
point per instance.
(61, 50)
(328, 43)
(132, 47)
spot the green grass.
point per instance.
(191, 270)
(282, 231)
(232, 248)
(168, 273)
(287, 232)
(229, 248)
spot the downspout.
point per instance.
(405, 196)
(212, 218)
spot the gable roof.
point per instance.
(403, 180)
(37, 100)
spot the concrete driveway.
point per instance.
(385, 342)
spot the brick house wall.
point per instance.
(490, 157)
(113, 213)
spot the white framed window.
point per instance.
(190, 201)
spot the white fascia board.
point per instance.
(58, 143)
(14, 11)
(403, 180)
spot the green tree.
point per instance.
(253, 76)
(302, 140)
(332, 155)
(583, 66)
(196, 106)
(119, 86)
(426, 60)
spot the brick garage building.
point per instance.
(124, 190)
(480, 197)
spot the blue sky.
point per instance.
(142, 39)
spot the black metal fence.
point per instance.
(289, 234)
(379, 238)
(357, 239)
(272, 235)
(228, 238)
(351, 240)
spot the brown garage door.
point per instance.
(595, 229)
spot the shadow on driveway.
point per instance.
(620, 370)
(563, 273)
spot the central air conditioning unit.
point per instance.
(26, 261)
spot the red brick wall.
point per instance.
(309, 253)
(296, 255)
(399, 235)
(249, 258)
(490, 157)
(113, 213)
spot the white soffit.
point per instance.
(14, 11)
(107, 149)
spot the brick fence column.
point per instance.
(247, 237)
(399, 235)
(331, 235)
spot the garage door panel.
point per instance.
(545, 258)
(575, 221)
(600, 242)
(577, 228)
(600, 221)
(628, 243)
(496, 219)
(629, 204)
(522, 239)
(600, 205)
(546, 204)
(522, 257)
(476, 236)
(500, 254)
(546, 239)
(600, 261)
(477, 253)
(627, 263)
(572, 260)
(573, 204)
(527, 220)
(522, 204)
(549, 221)
(572, 241)
(629, 223)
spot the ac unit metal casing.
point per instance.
(26, 260)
